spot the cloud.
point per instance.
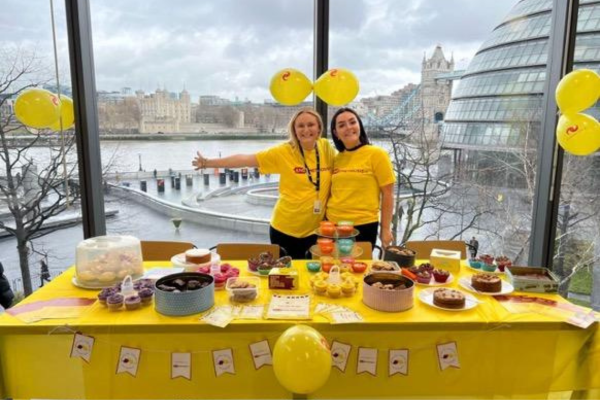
(233, 47)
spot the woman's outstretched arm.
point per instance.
(234, 161)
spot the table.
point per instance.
(501, 354)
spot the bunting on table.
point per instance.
(82, 347)
(261, 354)
(223, 362)
(129, 361)
(181, 365)
(448, 355)
(367, 361)
(398, 362)
(340, 352)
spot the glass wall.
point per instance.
(39, 192)
(577, 245)
(180, 77)
(459, 113)
(452, 91)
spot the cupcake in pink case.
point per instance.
(220, 280)
(425, 267)
(423, 277)
(440, 275)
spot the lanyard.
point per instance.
(316, 184)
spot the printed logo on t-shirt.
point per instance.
(347, 170)
(302, 170)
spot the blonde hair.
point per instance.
(293, 140)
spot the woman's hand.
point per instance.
(199, 162)
(386, 237)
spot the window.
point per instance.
(39, 191)
(183, 77)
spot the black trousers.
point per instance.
(367, 232)
(295, 247)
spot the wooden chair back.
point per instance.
(244, 251)
(423, 247)
(163, 251)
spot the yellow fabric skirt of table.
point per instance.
(501, 354)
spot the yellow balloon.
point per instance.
(37, 108)
(578, 134)
(290, 87)
(337, 87)
(302, 359)
(578, 91)
(67, 114)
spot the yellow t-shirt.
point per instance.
(355, 189)
(293, 213)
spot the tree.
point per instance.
(34, 190)
(429, 200)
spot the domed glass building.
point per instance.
(496, 105)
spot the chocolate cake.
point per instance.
(487, 283)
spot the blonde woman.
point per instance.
(305, 164)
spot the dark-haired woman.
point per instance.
(363, 180)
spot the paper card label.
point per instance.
(261, 354)
(398, 362)
(129, 360)
(82, 347)
(223, 362)
(219, 317)
(340, 353)
(251, 312)
(367, 361)
(181, 365)
(448, 355)
(345, 317)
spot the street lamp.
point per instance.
(140, 159)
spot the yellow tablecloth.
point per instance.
(501, 354)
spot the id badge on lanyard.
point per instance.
(317, 207)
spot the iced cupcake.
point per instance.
(334, 291)
(440, 275)
(348, 288)
(423, 277)
(115, 301)
(133, 302)
(320, 287)
(146, 295)
(105, 294)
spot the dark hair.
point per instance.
(363, 138)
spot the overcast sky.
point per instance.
(231, 48)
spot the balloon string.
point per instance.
(62, 133)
